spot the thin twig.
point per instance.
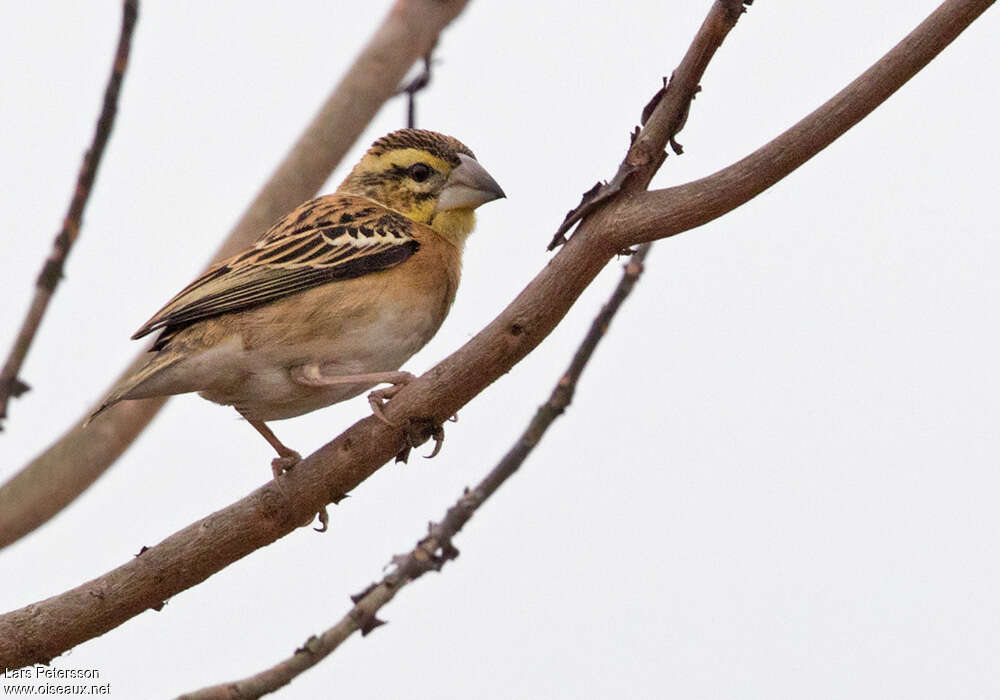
(436, 549)
(52, 270)
(662, 118)
(419, 82)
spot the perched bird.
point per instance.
(330, 301)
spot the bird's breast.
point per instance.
(370, 324)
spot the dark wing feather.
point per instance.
(331, 238)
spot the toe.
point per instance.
(280, 465)
(375, 401)
(324, 520)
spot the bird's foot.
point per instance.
(287, 457)
(377, 398)
(417, 432)
(284, 463)
(280, 465)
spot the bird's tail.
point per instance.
(135, 385)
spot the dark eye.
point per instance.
(419, 172)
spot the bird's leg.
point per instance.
(286, 459)
(312, 375)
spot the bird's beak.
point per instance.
(468, 186)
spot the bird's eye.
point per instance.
(419, 172)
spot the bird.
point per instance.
(331, 300)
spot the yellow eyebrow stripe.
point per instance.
(405, 157)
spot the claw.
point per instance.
(418, 430)
(438, 436)
(324, 520)
(376, 400)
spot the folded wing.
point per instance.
(324, 240)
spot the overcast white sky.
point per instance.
(780, 475)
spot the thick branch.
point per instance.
(45, 629)
(71, 464)
(52, 270)
(653, 215)
(433, 551)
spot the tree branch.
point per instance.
(436, 549)
(661, 213)
(40, 631)
(52, 270)
(662, 118)
(71, 464)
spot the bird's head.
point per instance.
(426, 176)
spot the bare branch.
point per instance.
(71, 464)
(662, 118)
(436, 549)
(419, 82)
(662, 213)
(40, 631)
(52, 270)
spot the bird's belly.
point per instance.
(381, 342)
(275, 396)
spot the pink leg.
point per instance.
(312, 375)
(287, 458)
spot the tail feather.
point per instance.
(131, 386)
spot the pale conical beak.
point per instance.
(468, 186)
